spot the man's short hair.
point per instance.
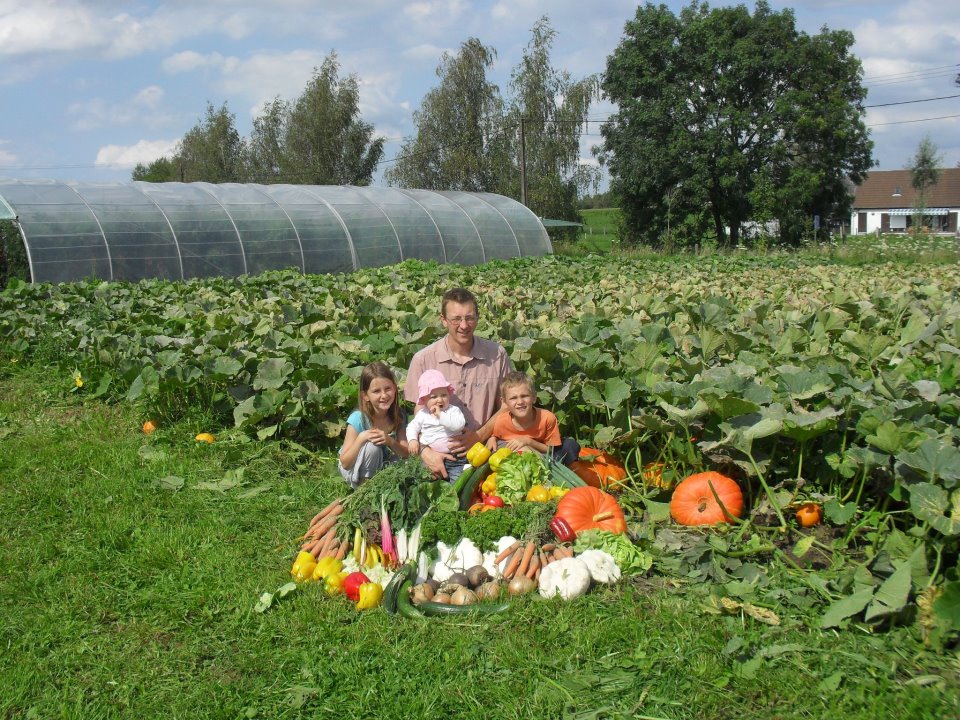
(462, 296)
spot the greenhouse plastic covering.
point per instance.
(129, 231)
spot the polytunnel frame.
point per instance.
(366, 196)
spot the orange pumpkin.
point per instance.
(600, 470)
(587, 508)
(693, 502)
(809, 514)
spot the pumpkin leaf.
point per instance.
(930, 503)
(936, 458)
(892, 595)
(846, 607)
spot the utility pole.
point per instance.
(523, 165)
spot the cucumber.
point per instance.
(435, 609)
(405, 606)
(463, 479)
(560, 474)
(477, 477)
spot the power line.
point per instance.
(904, 122)
(908, 102)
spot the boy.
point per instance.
(526, 426)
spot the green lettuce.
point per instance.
(631, 559)
(517, 474)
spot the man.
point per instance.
(473, 366)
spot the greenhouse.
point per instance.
(129, 231)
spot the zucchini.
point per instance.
(477, 477)
(405, 606)
(435, 609)
(560, 474)
(392, 591)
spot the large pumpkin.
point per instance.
(587, 508)
(598, 469)
(693, 502)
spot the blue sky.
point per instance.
(92, 88)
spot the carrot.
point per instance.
(331, 549)
(336, 511)
(511, 567)
(558, 554)
(326, 542)
(314, 549)
(324, 525)
(536, 575)
(549, 547)
(508, 552)
(544, 558)
(342, 550)
(525, 561)
(534, 566)
(323, 513)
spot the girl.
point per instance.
(376, 431)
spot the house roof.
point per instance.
(878, 188)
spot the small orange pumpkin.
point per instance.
(149, 426)
(693, 502)
(600, 470)
(588, 508)
(809, 514)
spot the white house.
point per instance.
(888, 202)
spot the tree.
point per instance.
(318, 139)
(924, 173)
(212, 150)
(162, 169)
(726, 117)
(460, 142)
(550, 109)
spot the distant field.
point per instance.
(599, 232)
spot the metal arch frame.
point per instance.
(309, 189)
(243, 252)
(366, 196)
(173, 233)
(106, 245)
(497, 211)
(303, 260)
(532, 214)
(443, 245)
(458, 206)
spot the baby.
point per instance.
(436, 421)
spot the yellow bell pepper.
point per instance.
(558, 491)
(489, 486)
(478, 454)
(303, 567)
(538, 493)
(327, 566)
(498, 457)
(333, 585)
(371, 594)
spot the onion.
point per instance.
(442, 597)
(521, 585)
(489, 590)
(464, 596)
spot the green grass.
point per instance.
(123, 599)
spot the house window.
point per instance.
(896, 191)
(898, 222)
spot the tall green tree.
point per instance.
(726, 117)
(925, 170)
(212, 151)
(550, 110)
(460, 141)
(319, 138)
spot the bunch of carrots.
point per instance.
(525, 559)
(320, 539)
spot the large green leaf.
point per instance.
(891, 597)
(846, 607)
(272, 374)
(931, 503)
(936, 458)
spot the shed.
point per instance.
(130, 231)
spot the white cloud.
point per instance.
(426, 51)
(7, 158)
(142, 108)
(127, 156)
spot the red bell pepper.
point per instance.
(561, 528)
(351, 585)
(493, 501)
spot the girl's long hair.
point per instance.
(370, 373)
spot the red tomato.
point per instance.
(493, 501)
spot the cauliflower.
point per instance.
(603, 568)
(458, 558)
(569, 578)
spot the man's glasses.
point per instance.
(465, 320)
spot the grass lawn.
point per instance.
(126, 597)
